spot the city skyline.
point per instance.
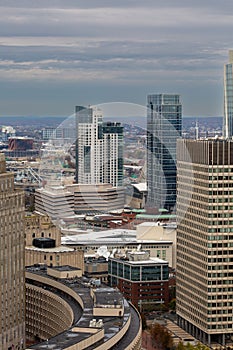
(57, 55)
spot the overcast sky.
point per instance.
(55, 54)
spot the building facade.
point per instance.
(205, 239)
(228, 98)
(12, 299)
(60, 202)
(99, 149)
(63, 313)
(164, 118)
(91, 199)
(43, 244)
(55, 201)
(141, 279)
(60, 132)
(6, 132)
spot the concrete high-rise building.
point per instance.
(228, 98)
(12, 287)
(164, 118)
(205, 239)
(99, 148)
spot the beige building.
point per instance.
(64, 201)
(164, 235)
(205, 240)
(37, 226)
(64, 271)
(160, 241)
(54, 201)
(96, 198)
(70, 314)
(12, 320)
(136, 195)
(43, 244)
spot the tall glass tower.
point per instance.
(164, 120)
(228, 98)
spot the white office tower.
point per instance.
(12, 284)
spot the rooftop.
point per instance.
(141, 187)
(109, 297)
(108, 237)
(156, 216)
(151, 261)
(64, 268)
(111, 324)
(60, 249)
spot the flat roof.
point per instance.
(170, 225)
(108, 296)
(141, 187)
(151, 261)
(111, 325)
(64, 268)
(108, 237)
(154, 216)
(60, 249)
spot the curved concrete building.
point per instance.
(63, 311)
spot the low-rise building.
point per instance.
(98, 198)
(96, 267)
(158, 240)
(68, 313)
(55, 201)
(141, 279)
(43, 244)
(65, 201)
(136, 195)
(149, 231)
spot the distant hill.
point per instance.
(213, 122)
(40, 121)
(54, 121)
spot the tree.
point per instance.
(172, 304)
(161, 338)
(181, 346)
(189, 346)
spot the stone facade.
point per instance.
(41, 226)
(12, 299)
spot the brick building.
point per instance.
(141, 279)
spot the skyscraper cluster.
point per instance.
(193, 177)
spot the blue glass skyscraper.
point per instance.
(164, 122)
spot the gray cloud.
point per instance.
(126, 48)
